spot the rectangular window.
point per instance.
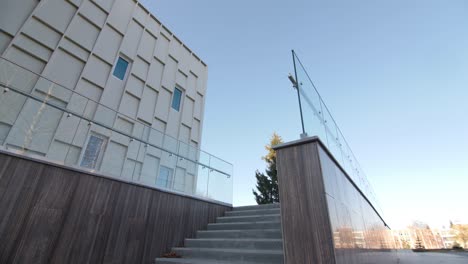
(94, 151)
(121, 68)
(165, 176)
(176, 98)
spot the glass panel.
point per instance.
(121, 68)
(176, 99)
(94, 150)
(318, 121)
(42, 118)
(220, 180)
(165, 177)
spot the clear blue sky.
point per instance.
(393, 73)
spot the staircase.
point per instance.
(247, 234)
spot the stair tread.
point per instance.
(253, 207)
(254, 212)
(231, 250)
(259, 209)
(247, 222)
(247, 216)
(199, 261)
(243, 230)
(236, 239)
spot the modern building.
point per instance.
(101, 114)
(108, 65)
(409, 237)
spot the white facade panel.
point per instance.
(114, 158)
(132, 39)
(121, 14)
(140, 14)
(148, 104)
(135, 86)
(187, 113)
(147, 45)
(140, 68)
(66, 76)
(56, 13)
(42, 32)
(129, 105)
(108, 44)
(97, 71)
(5, 40)
(89, 90)
(155, 74)
(163, 104)
(116, 69)
(92, 12)
(104, 4)
(33, 47)
(169, 74)
(74, 49)
(162, 48)
(13, 14)
(83, 32)
(152, 25)
(24, 59)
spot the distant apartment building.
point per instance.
(109, 61)
(407, 238)
(448, 237)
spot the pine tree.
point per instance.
(419, 244)
(267, 184)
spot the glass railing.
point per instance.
(318, 121)
(41, 118)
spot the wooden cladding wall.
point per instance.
(307, 235)
(50, 214)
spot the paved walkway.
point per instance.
(409, 257)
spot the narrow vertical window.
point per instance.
(120, 68)
(94, 151)
(176, 98)
(164, 179)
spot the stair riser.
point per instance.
(241, 234)
(253, 212)
(276, 218)
(237, 226)
(230, 256)
(269, 245)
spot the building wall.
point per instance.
(77, 44)
(51, 214)
(429, 238)
(325, 217)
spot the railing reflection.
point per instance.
(41, 118)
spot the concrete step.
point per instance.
(250, 243)
(245, 225)
(197, 261)
(256, 207)
(248, 218)
(272, 211)
(252, 233)
(234, 255)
